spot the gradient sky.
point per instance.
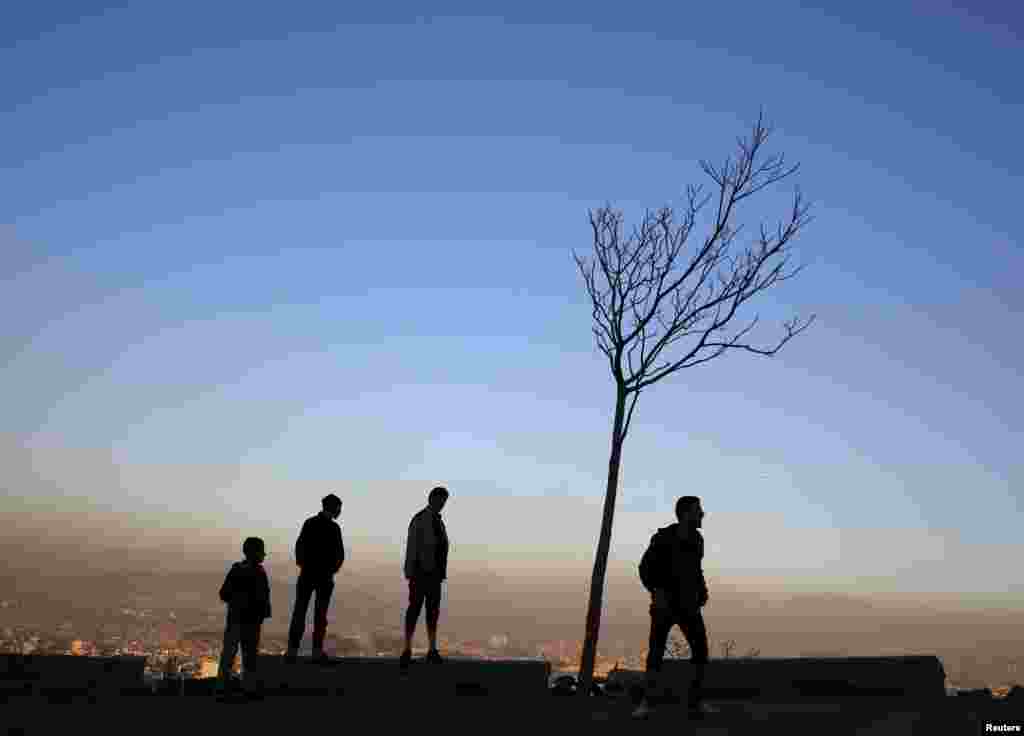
(254, 253)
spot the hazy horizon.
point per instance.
(52, 533)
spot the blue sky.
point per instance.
(318, 248)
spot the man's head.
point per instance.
(254, 549)
(331, 505)
(689, 511)
(437, 498)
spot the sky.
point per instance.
(253, 254)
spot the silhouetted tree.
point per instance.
(646, 298)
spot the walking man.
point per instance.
(426, 566)
(671, 571)
(319, 553)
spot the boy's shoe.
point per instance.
(404, 661)
(643, 710)
(434, 657)
(319, 658)
(291, 656)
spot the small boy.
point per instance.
(246, 590)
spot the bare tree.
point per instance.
(647, 297)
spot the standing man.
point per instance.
(320, 553)
(426, 565)
(671, 571)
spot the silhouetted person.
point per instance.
(246, 590)
(426, 566)
(671, 570)
(320, 553)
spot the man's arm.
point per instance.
(300, 544)
(266, 592)
(424, 549)
(416, 559)
(409, 568)
(340, 550)
(702, 595)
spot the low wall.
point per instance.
(377, 675)
(912, 676)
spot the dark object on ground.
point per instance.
(983, 693)
(567, 685)
(811, 677)
(564, 685)
(614, 689)
(470, 688)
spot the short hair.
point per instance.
(252, 546)
(330, 501)
(684, 504)
(438, 491)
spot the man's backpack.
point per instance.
(647, 565)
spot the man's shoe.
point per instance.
(405, 660)
(291, 655)
(319, 658)
(434, 657)
(643, 710)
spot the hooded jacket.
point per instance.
(675, 566)
(246, 590)
(426, 548)
(319, 550)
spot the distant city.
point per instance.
(187, 644)
(172, 647)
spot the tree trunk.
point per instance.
(586, 676)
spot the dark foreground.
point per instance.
(856, 696)
(406, 712)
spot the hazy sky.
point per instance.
(256, 253)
